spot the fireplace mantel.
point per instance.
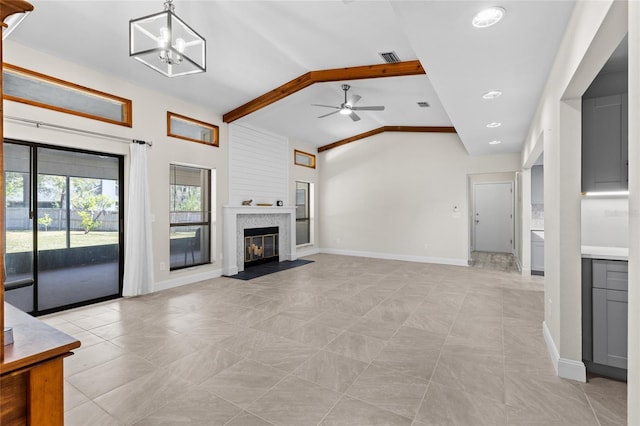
(239, 218)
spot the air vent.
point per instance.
(390, 57)
(423, 104)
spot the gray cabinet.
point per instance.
(605, 317)
(537, 185)
(605, 143)
(610, 327)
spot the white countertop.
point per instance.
(608, 253)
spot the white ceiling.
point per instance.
(256, 46)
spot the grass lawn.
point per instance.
(21, 241)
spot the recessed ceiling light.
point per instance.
(494, 124)
(495, 142)
(488, 17)
(492, 94)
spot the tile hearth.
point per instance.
(340, 341)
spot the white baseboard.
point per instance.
(519, 265)
(565, 368)
(403, 257)
(187, 279)
(571, 369)
(307, 251)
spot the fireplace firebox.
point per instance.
(260, 245)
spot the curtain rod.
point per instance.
(40, 124)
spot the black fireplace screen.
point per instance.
(260, 245)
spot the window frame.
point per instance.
(127, 109)
(215, 130)
(311, 157)
(207, 210)
(308, 212)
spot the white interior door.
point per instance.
(493, 217)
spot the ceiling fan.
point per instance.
(348, 108)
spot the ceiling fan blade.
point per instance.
(353, 99)
(354, 116)
(369, 108)
(331, 113)
(326, 106)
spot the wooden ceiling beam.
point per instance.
(368, 71)
(322, 76)
(423, 129)
(268, 98)
(9, 7)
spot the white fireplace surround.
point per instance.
(239, 218)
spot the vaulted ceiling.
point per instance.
(254, 47)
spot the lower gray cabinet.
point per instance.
(605, 317)
(610, 327)
(537, 256)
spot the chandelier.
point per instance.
(164, 42)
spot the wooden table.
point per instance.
(31, 375)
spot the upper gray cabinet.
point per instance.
(605, 143)
(537, 185)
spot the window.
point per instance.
(303, 210)
(304, 159)
(29, 87)
(190, 216)
(190, 129)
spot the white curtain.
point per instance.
(138, 259)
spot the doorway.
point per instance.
(493, 217)
(64, 227)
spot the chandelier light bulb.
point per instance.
(165, 36)
(180, 45)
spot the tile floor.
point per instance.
(341, 341)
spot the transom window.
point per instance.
(32, 88)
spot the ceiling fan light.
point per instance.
(488, 17)
(345, 111)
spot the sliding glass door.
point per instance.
(65, 228)
(20, 238)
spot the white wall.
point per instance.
(306, 174)
(633, 344)
(258, 166)
(149, 123)
(594, 31)
(393, 196)
(605, 222)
